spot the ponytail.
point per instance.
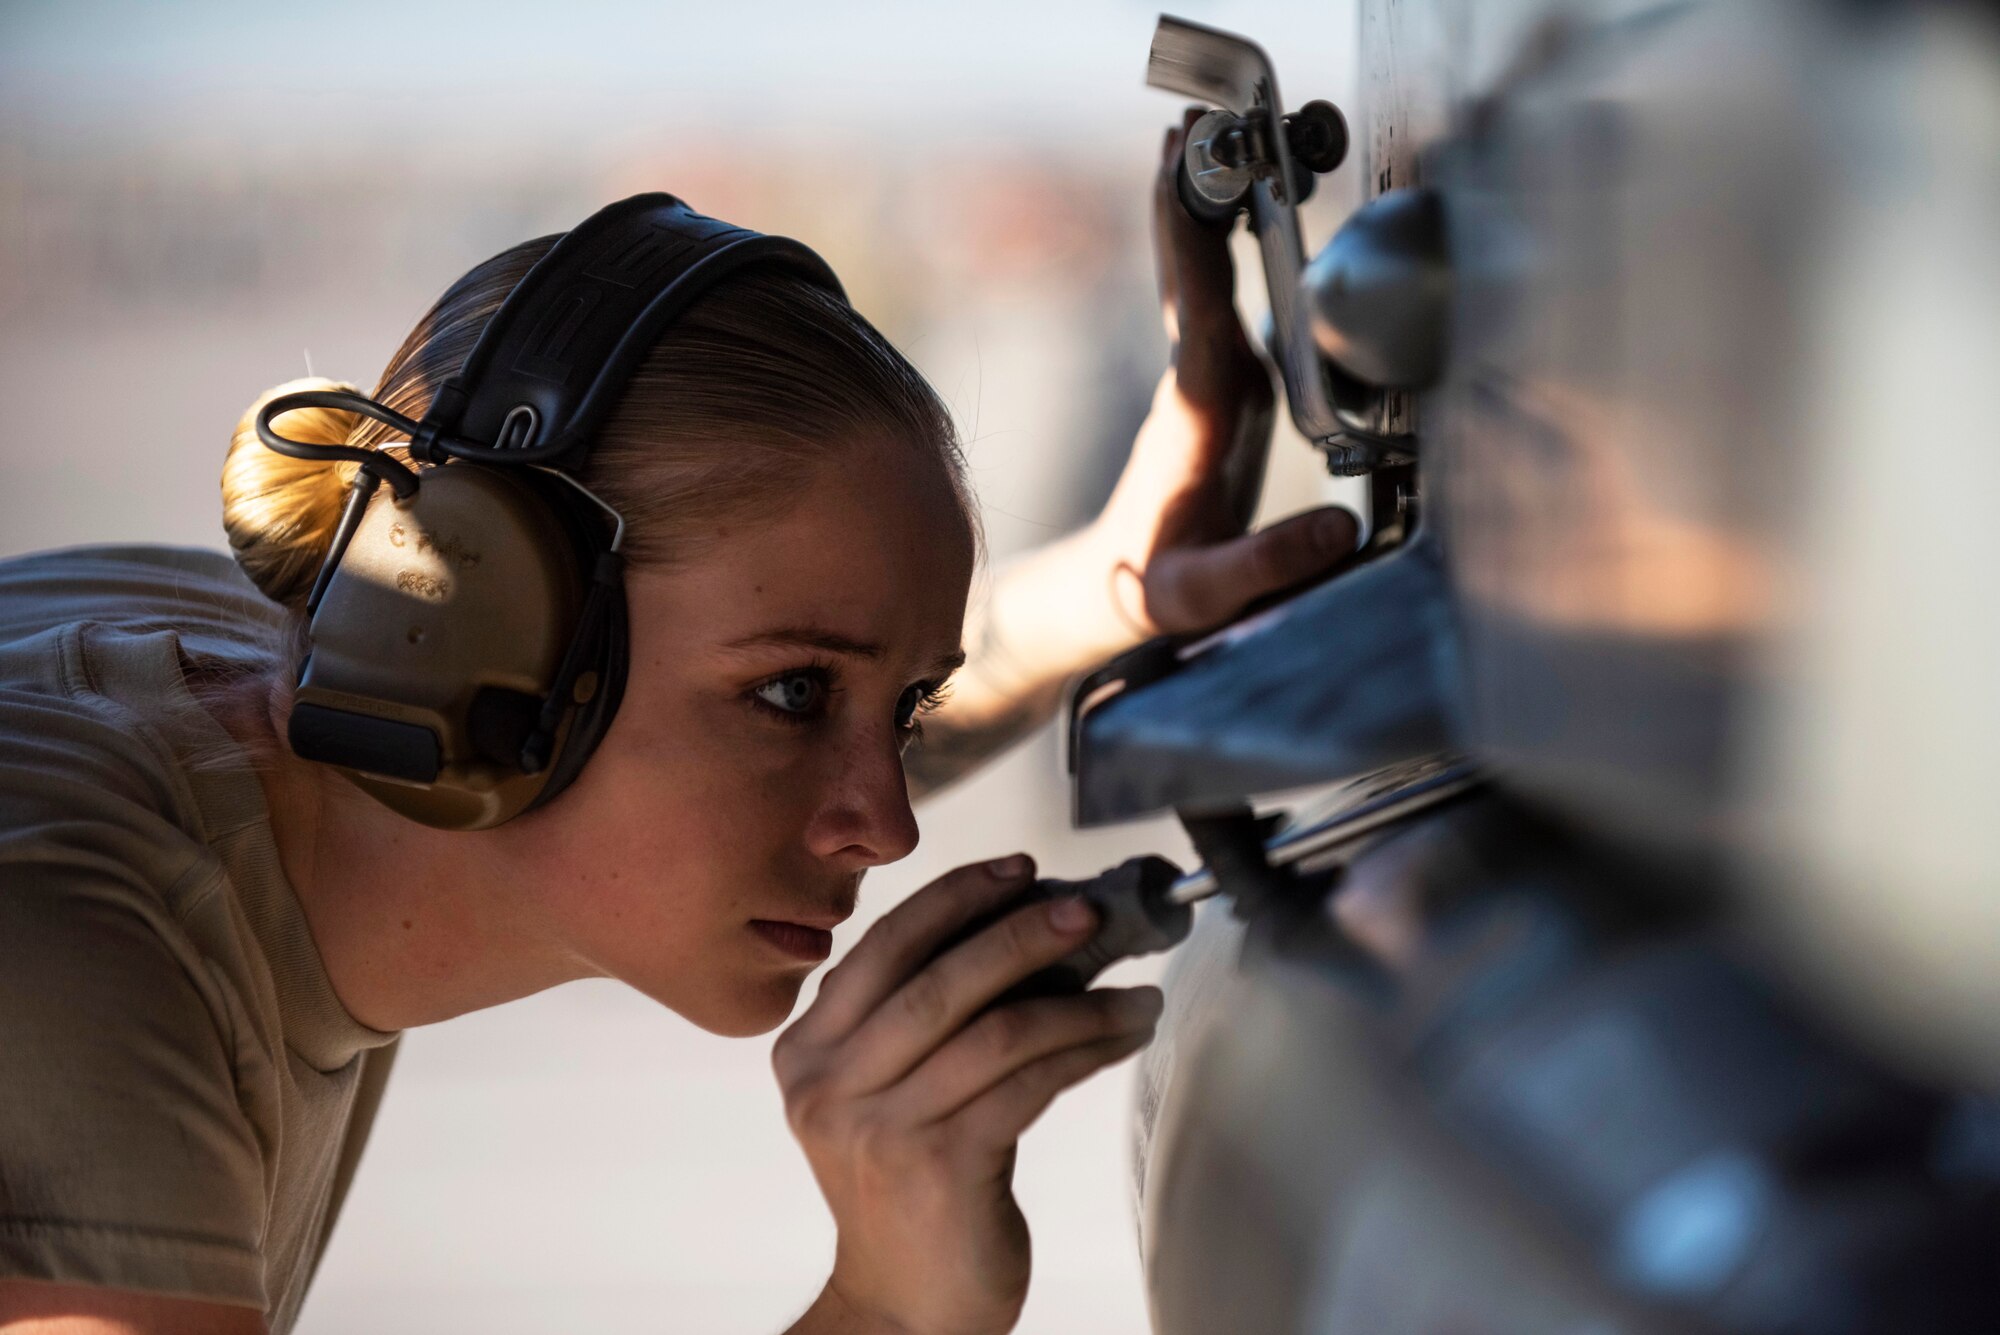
(280, 512)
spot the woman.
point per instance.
(207, 945)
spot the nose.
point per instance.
(864, 819)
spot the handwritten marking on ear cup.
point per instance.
(420, 585)
(445, 547)
(448, 548)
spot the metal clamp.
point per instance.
(1250, 155)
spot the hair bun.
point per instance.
(280, 512)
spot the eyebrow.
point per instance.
(814, 637)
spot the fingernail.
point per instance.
(1146, 1001)
(1071, 914)
(1008, 868)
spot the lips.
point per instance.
(796, 939)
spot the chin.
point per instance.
(751, 1007)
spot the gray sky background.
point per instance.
(917, 67)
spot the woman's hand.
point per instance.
(908, 1097)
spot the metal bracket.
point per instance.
(1235, 73)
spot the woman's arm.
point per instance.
(1169, 553)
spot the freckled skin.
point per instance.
(701, 811)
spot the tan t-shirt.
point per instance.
(182, 1095)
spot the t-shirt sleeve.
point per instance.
(126, 1160)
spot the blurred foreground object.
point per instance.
(1666, 340)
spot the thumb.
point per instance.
(1193, 588)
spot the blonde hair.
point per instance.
(749, 392)
(280, 512)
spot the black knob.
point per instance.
(1316, 134)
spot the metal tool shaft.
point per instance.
(1296, 846)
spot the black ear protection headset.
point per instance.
(468, 629)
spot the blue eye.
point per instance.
(796, 693)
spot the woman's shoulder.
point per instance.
(200, 594)
(95, 643)
(99, 735)
(92, 795)
(110, 842)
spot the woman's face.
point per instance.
(754, 770)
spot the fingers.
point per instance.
(938, 1000)
(1193, 588)
(1000, 1115)
(906, 936)
(1007, 1038)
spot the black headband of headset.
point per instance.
(551, 364)
(554, 359)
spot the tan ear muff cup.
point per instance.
(437, 643)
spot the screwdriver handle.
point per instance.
(1135, 917)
